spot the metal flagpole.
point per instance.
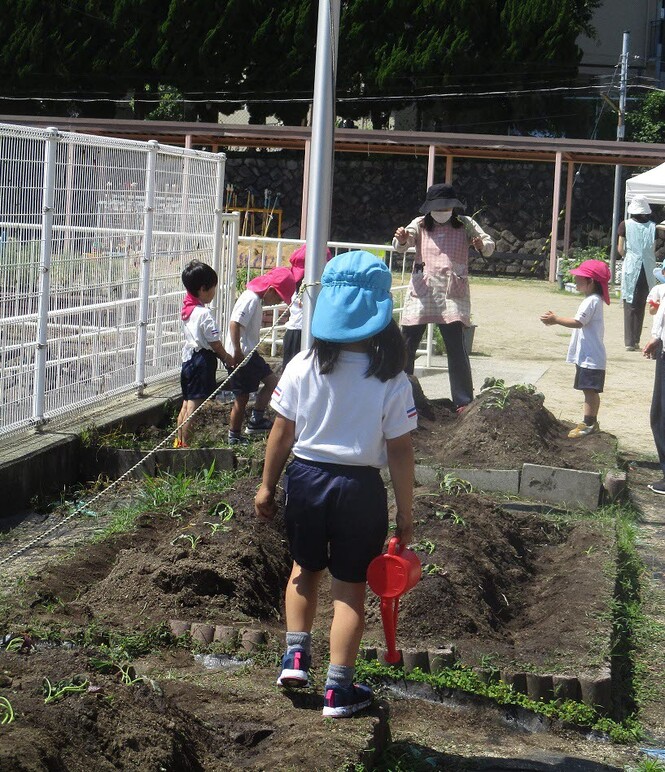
(321, 158)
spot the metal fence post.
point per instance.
(48, 200)
(217, 237)
(144, 287)
(232, 269)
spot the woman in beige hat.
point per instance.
(637, 236)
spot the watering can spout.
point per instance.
(389, 576)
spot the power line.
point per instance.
(350, 99)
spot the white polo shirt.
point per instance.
(343, 417)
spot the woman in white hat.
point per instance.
(637, 236)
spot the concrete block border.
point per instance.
(113, 462)
(594, 690)
(571, 488)
(246, 639)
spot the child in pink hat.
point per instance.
(276, 286)
(587, 350)
(293, 327)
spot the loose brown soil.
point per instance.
(511, 587)
(490, 437)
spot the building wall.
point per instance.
(611, 19)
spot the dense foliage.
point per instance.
(646, 121)
(222, 53)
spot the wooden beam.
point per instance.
(555, 216)
(449, 169)
(570, 178)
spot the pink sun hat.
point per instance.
(599, 271)
(280, 279)
(297, 261)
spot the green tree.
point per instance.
(221, 53)
(457, 45)
(646, 123)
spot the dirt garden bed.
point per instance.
(521, 590)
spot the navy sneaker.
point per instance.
(261, 426)
(238, 439)
(295, 667)
(342, 702)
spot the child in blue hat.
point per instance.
(345, 408)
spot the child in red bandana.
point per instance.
(202, 347)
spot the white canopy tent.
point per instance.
(650, 184)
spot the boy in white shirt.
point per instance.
(202, 345)
(276, 286)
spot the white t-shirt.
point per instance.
(656, 295)
(248, 312)
(200, 330)
(343, 417)
(586, 343)
(295, 313)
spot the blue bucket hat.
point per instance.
(355, 301)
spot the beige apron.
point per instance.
(440, 293)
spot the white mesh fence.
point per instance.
(94, 235)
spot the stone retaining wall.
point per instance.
(374, 194)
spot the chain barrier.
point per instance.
(86, 504)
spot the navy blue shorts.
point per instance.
(197, 377)
(290, 345)
(336, 517)
(248, 378)
(587, 379)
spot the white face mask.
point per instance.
(442, 217)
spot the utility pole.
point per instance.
(321, 158)
(621, 132)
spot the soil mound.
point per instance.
(514, 585)
(212, 561)
(503, 429)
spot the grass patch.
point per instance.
(169, 494)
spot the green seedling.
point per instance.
(432, 569)
(499, 394)
(188, 537)
(449, 512)
(426, 545)
(648, 765)
(16, 644)
(454, 486)
(59, 690)
(124, 670)
(223, 510)
(6, 711)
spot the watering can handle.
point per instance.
(394, 546)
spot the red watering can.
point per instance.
(389, 576)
